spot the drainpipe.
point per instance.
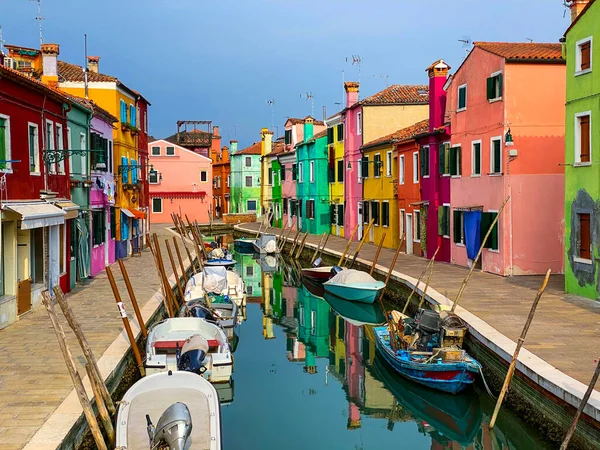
(510, 212)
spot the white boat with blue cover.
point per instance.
(354, 285)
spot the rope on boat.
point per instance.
(487, 388)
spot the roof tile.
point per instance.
(402, 135)
(254, 149)
(523, 51)
(399, 94)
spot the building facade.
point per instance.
(266, 173)
(245, 180)
(336, 173)
(289, 175)
(221, 167)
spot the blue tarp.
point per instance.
(472, 220)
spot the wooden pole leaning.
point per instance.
(513, 363)
(377, 253)
(134, 302)
(419, 280)
(487, 235)
(301, 246)
(166, 286)
(126, 324)
(391, 269)
(426, 283)
(174, 266)
(362, 242)
(182, 266)
(83, 343)
(102, 410)
(314, 256)
(295, 242)
(348, 245)
(324, 245)
(189, 254)
(75, 377)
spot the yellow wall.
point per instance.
(336, 189)
(265, 187)
(382, 188)
(379, 121)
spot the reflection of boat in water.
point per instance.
(268, 263)
(454, 417)
(314, 288)
(356, 313)
(244, 245)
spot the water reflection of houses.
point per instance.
(313, 328)
(249, 269)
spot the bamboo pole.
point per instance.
(324, 245)
(167, 287)
(427, 283)
(584, 401)
(377, 254)
(182, 266)
(126, 324)
(314, 256)
(200, 238)
(199, 253)
(104, 415)
(487, 235)
(419, 281)
(513, 363)
(75, 378)
(133, 298)
(348, 245)
(174, 266)
(301, 246)
(362, 242)
(280, 235)
(189, 254)
(391, 269)
(295, 242)
(83, 343)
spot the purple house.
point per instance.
(438, 164)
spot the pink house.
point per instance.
(180, 182)
(508, 141)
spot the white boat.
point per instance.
(266, 243)
(170, 410)
(192, 344)
(223, 313)
(216, 281)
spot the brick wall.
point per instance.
(239, 218)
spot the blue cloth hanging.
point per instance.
(472, 220)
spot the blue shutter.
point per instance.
(134, 172)
(125, 177)
(124, 227)
(132, 114)
(123, 118)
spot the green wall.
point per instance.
(239, 193)
(276, 193)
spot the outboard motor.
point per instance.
(200, 311)
(428, 324)
(193, 354)
(173, 428)
(318, 262)
(335, 270)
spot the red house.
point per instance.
(34, 244)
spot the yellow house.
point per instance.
(266, 175)
(337, 172)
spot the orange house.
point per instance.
(221, 181)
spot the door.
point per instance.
(360, 221)
(53, 256)
(23, 271)
(408, 226)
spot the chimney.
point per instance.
(216, 131)
(233, 146)
(576, 7)
(309, 128)
(438, 74)
(50, 54)
(93, 63)
(351, 88)
(267, 141)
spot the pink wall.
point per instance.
(352, 155)
(288, 186)
(181, 188)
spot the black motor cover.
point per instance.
(428, 321)
(202, 312)
(191, 361)
(335, 270)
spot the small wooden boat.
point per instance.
(165, 348)
(354, 285)
(170, 410)
(244, 245)
(223, 313)
(318, 274)
(266, 243)
(355, 312)
(448, 370)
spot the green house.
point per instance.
(581, 46)
(245, 180)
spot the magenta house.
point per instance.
(437, 165)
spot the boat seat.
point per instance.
(212, 343)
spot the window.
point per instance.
(583, 138)
(459, 229)
(97, 142)
(50, 144)
(109, 163)
(340, 215)
(153, 177)
(134, 172)
(583, 58)
(455, 161)
(98, 226)
(83, 146)
(251, 205)
(377, 165)
(157, 205)
(385, 214)
(462, 98)
(113, 222)
(424, 157)
(415, 167)
(402, 222)
(375, 212)
(494, 86)
(282, 173)
(4, 142)
(170, 151)
(365, 166)
(476, 158)
(132, 116)
(228, 180)
(388, 164)
(249, 271)
(444, 220)
(203, 176)
(288, 137)
(155, 151)
(585, 236)
(123, 112)
(359, 123)
(248, 181)
(270, 176)
(340, 132)
(300, 174)
(486, 222)
(330, 136)
(34, 149)
(444, 159)
(496, 156)
(310, 209)
(294, 172)
(340, 171)
(366, 214)
(417, 225)
(248, 162)
(311, 172)
(401, 169)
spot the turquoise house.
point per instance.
(313, 327)
(312, 187)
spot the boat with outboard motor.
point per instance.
(223, 313)
(190, 344)
(354, 285)
(184, 407)
(218, 283)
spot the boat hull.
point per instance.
(354, 292)
(220, 262)
(244, 245)
(318, 274)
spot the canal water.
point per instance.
(307, 376)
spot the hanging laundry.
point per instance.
(472, 221)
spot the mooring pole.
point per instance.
(513, 363)
(377, 253)
(360, 245)
(391, 269)
(419, 280)
(185, 277)
(314, 256)
(161, 267)
(348, 245)
(177, 279)
(134, 302)
(102, 410)
(301, 246)
(427, 283)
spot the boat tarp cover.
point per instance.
(215, 279)
(352, 276)
(195, 342)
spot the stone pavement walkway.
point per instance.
(565, 331)
(33, 377)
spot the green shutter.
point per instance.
(457, 226)
(340, 131)
(365, 167)
(446, 221)
(442, 160)
(453, 161)
(490, 88)
(3, 143)
(440, 220)
(494, 233)
(462, 97)
(458, 160)
(499, 85)
(486, 221)
(332, 214)
(422, 162)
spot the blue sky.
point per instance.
(222, 60)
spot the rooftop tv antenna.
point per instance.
(309, 96)
(530, 40)
(387, 79)
(1, 41)
(271, 103)
(467, 43)
(356, 61)
(40, 19)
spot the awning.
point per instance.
(127, 213)
(37, 215)
(71, 209)
(134, 213)
(469, 208)
(424, 202)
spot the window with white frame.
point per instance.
(4, 143)
(157, 205)
(248, 161)
(155, 151)
(300, 172)
(402, 222)
(458, 228)
(415, 167)
(203, 176)
(583, 56)
(170, 151)
(583, 138)
(401, 169)
(359, 123)
(496, 155)
(311, 172)
(456, 160)
(50, 143)
(462, 98)
(60, 146)
(494, 86)
(153, 177)
(475, 158)
(417, 225)
(388, 164)
(83, 146)
(34, 148)
(385, 213)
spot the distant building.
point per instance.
(336, 171)
(245, 179)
